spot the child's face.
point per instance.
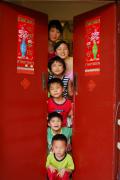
(57, 68)
(55, 124)
(59, 148)
(54, 34)
(62, 51)
(56, 90)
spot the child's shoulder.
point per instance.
(50, 99)
(50, 76)
(50, 155)
(68, 101)
(48, 129)
(68, 156)
(66, 129)
(69, 60)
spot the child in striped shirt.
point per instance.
(57, 69)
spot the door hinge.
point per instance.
(118, 175)
(118, 28)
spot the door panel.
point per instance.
(118, 92)
(23, 104)
(95, 100)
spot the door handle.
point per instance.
(75, 83)
(44, 80)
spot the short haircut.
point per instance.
(55, 24)
(55, 80)
(56, 59)
(59, 137)
(58, 43)
(54, 114)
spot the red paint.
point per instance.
(23, 120)
(94, 121)
(23, 106)
(118, 92)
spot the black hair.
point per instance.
(58, 59)
(59, 137)
(58, 43)
(55, 24)
(54, 114)
(55, 80)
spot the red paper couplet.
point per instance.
(92, 46)
(25, 49)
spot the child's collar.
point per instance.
(59, 160)
(54, 133)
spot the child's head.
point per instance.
(55, 30)
(55, 87)
(59, 145)
(57, 66)
(55, 121)
(61, 49)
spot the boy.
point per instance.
(55, 127)
(57, 102)
(59, 163)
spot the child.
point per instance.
(55, 127)
(57, 102)
(57, 68)
(59, 163)
(55, 31)
(61, 49)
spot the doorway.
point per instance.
(88, 86)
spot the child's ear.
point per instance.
(52, 149)
(66, 148)
(49, 124)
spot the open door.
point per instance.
(94, 144)
(23, 97)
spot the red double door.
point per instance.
(23, 98)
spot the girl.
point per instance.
(57, 68)
(55, 31)
(61, 49)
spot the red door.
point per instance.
(23, 105)
(94, 143)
